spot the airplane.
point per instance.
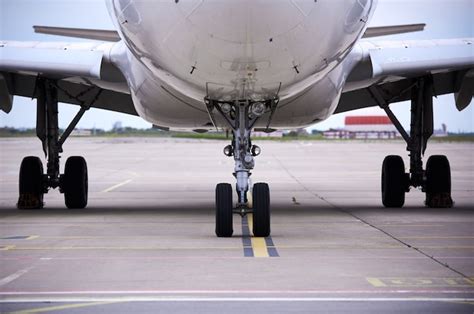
(240, 66)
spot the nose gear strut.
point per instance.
(241, 117)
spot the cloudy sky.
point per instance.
(444, 19)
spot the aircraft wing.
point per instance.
(83, 73)
(394, 66)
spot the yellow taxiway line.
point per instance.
(259, 246)
(62, 307)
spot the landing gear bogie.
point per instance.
(33, 182)
(435, 181)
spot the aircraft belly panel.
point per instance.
(272, 42)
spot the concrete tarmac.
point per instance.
(146, 242)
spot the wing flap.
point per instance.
(398, 91)
(71, 93)
(6, 98)
(464, 97)
(94, 34)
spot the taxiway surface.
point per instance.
(146, 241)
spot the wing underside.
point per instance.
(82, 72)
(395, 66)
(69, 92)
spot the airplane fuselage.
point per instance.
(176, 53)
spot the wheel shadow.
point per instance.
(206, 209)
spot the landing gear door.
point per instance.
(242, 90)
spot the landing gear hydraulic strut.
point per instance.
(241, 117)
(435, 180)
(34, 183)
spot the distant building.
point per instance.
(276, 133)
(117, 127)
(441, 132)
(334, 134)
(82, 132)
(364, 127)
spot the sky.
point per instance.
(444, 19)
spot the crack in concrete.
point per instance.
(434, 259)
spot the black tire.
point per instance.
(224, 210)
(261, 210)
(438, 182)
(394, 182)
(75, 182)
(31, 184)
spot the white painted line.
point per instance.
(60, 258)
(230, 292)
(228, 299)
(117, 186)
(14, 276)
(61, 307)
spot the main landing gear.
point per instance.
(435, 181)
(241, 117)
(34, 183)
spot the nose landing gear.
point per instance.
(435, 181)
(241, 116)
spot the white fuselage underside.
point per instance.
(176, 53)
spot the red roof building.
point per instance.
(365, 127)
(369, 124)
(367, 120)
